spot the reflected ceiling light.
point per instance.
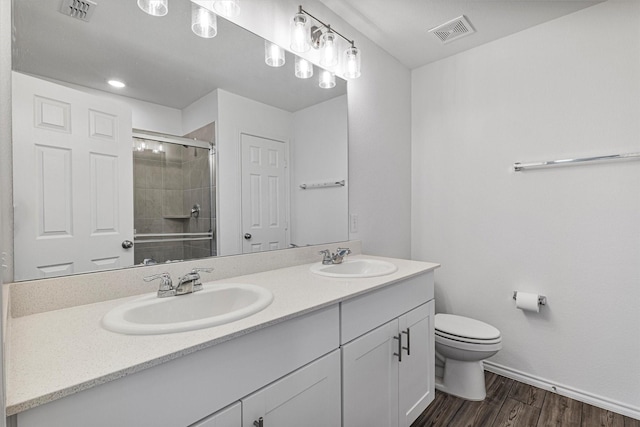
(203, 22)
(273, 54)
(304, 68)
(116, 83)
(154, 7)
(227, 8)
(326, 39)
(327, 79)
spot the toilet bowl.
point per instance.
(462, 344)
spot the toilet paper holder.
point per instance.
(542, 300)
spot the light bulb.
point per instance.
(227, 8)
(328, 42)
(303, 69)
(327, 79)
(352, 63)
(300, 33)
(203, 22)
(273, 54)
(154, 7)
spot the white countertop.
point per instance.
(54, 354)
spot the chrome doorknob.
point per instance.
(247, 236)
(127, 244)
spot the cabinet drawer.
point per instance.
(365, 313)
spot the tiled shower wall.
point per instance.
(166, 187)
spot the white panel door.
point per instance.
(370, 378)
(264, 194)
(73, 180)
(308, 397)
(228, 417)
(417, 387)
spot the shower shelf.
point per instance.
(176, 216)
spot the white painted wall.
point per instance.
(319, 154)
(379, 128)
(237, 115)
(567, 88)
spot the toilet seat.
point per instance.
(465, 330)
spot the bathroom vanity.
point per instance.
(327, 352)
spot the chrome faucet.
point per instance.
(190, 282)
(337, 258)
(327, 259)
(187, 284)
(166, 285)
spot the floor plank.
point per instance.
(485, 412)
(560, 411)
(631, 422)
(516, 414)
(440, 412)
(597, 417)
(528, 394)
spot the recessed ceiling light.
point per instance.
(116, 83)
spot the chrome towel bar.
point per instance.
(323, 184)
(521, 166)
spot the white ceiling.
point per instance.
(401, 26)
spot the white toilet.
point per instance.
(462, 344)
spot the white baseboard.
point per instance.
(582, 396)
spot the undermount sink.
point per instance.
(355, 268)
(215, 304)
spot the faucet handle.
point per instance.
(343, 251)
(165, 281)
(204, 270)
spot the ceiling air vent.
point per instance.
(453, 30)
(80, 9)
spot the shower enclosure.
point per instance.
(174, 198)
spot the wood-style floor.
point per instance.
(514, 404)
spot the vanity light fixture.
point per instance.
(327, 79)
(116, 83)
(203, 22)
(227, 8)
(325, 38)
(273, 54)
(154, 7)
(303, 68)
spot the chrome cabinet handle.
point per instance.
(127, 244)
(259, 422)
(247, 236)
(408, 347)
(399, 353)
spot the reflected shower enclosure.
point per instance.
(174, 212)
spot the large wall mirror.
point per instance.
(206, 150)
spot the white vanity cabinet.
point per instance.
(388, 373)
(228, 417)
(309, 397)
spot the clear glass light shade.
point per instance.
(329, 43)
(304, 68)
(300, 33)
(327, 79)
(203, 22)
(154, 7)
(273, 54)
(228, 8)
(352, 63)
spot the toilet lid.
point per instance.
(465, 327)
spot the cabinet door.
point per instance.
(370, 378)
(416, 384)
(308, 397)
(228, 417)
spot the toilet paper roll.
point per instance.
(527, 301)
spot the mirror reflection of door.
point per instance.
(264, 189)
(72, 180)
